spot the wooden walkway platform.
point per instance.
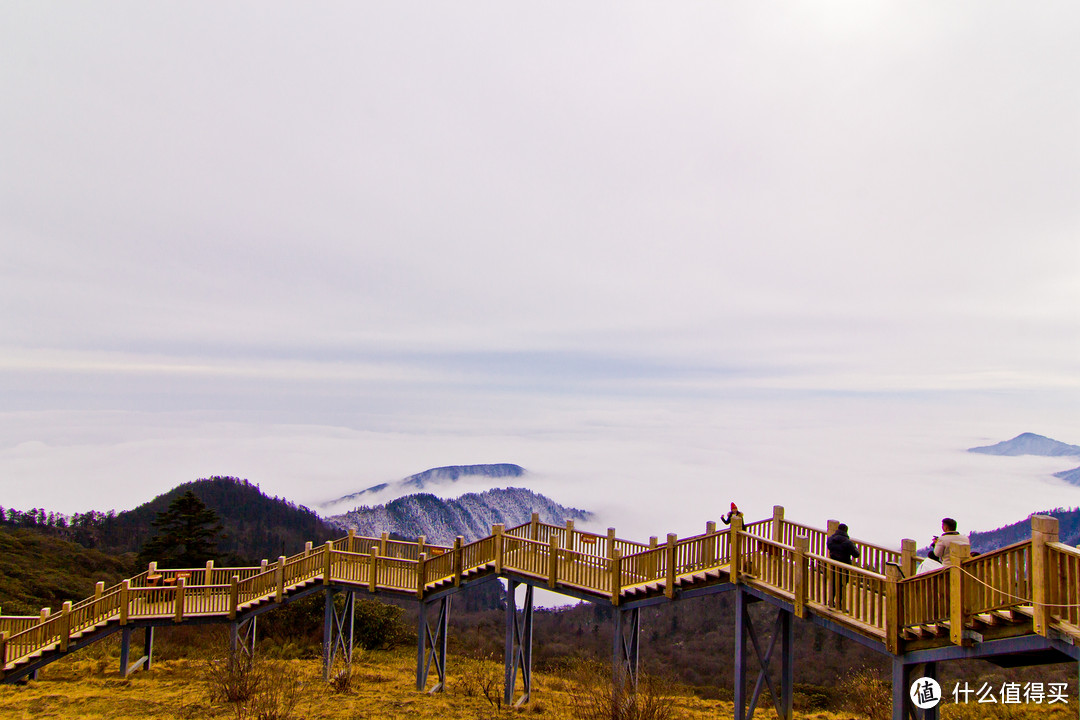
(1030, 588)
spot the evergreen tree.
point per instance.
(187, 534)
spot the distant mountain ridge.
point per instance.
(434, 477)
(1028, 444)
(470, 515)
(1069, 476)
(1068, 531)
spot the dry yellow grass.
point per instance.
(89, 687)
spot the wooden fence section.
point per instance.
(924, 599)
(998, 579)
(784, 559)
(1065, 587)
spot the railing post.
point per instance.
(351, 543)
(208, 577)
(459, 560)
(534, 526)
(99, 591)
(234, 596)
(328, 562)
(616, 576)
(125, 600)
(178, 616)
(709, 546)
(958, 553)
(382, 543)
(279, 596)
(497, 534)
(892, 608)
(654, 560)
(569, 535)
(778, 523)
(669, 554)
(307, 548)
(421, 575)
(373, 568)
(801, 574)
(611, 542)
(1044, 529)
(65, 625)
(553, 560)
(831, 527)
(908, 558)
(3, 651)
(421, 541)
(735, 547)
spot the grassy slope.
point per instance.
(88, 686)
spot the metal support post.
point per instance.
(431, 645)
(518, 653)
(338, 631)
(625, 650)
(744, 629)
(902, 681)
(148, 646)
(242, 640)
(125, 650)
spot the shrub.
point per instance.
(865, 692)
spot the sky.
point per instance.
(663, 256)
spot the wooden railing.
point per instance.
(998, 579)
(924, 599)
(785, 559)
(1064, 562)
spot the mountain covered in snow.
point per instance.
(432, 479)
(1028, 444)
(471, 515)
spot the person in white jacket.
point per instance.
(949, 537)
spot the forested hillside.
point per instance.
(254, 526)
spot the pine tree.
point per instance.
(187, 534)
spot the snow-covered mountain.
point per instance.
(1028, 444)
(434, 478)
(470, 515)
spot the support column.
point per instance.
(518, 652)
(125, 650)
(902, 679)
(242, 640)
(148, 646)
(337, 631)
(742, 619)
(625, 651)
(431, 644)
(783, 697)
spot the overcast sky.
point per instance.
(318, 245)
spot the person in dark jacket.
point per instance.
(842, 550)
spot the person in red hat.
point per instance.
(734, 511)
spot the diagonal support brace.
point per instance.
(518, 653)
(431, 644)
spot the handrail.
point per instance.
(786, 559)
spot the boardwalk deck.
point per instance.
(1031, 588)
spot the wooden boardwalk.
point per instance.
(1028, 589)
